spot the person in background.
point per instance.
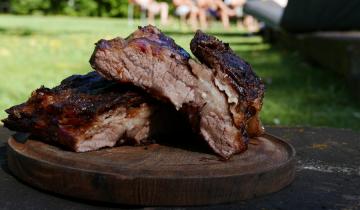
(153, 8)
(248, 21)
(214, 7)
(187, 11)
(237, 6)
(251, 24)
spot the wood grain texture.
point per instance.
(156, 174)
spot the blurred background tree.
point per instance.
(102, 8)
(24, 7)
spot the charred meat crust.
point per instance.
(238, 75)
(151, 33)
(218, 55)
(79, 99)
(162, 69)
(148, 34)
(63, 114)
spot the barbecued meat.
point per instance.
(235, 77)
(85, 113)
(152, 61)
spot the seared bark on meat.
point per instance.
(152, 61)
(244, 89)
(85, 113)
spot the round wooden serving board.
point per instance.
(155, 174)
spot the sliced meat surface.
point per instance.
(235, 77)
(84, 113)
(152, 61)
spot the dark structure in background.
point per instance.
(5, 6)
(326, 32)
(321, 15)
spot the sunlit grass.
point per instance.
(37, 51)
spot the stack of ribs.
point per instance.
(84, 113)
(136, 79)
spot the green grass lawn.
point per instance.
(37, 51)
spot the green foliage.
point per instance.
(81, 8)
(29, 6)
(106, 8)
(112, 8)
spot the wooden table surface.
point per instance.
(328, 177)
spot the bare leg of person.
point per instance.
(225, 20)
(182, 21)
(193, 19)
(251, 24)
(151, 17)
(239, 23)
(225, 12)
(164, 13)
(202, 18)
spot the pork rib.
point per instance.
(152, 61)
(235, 77)
(85, 113)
